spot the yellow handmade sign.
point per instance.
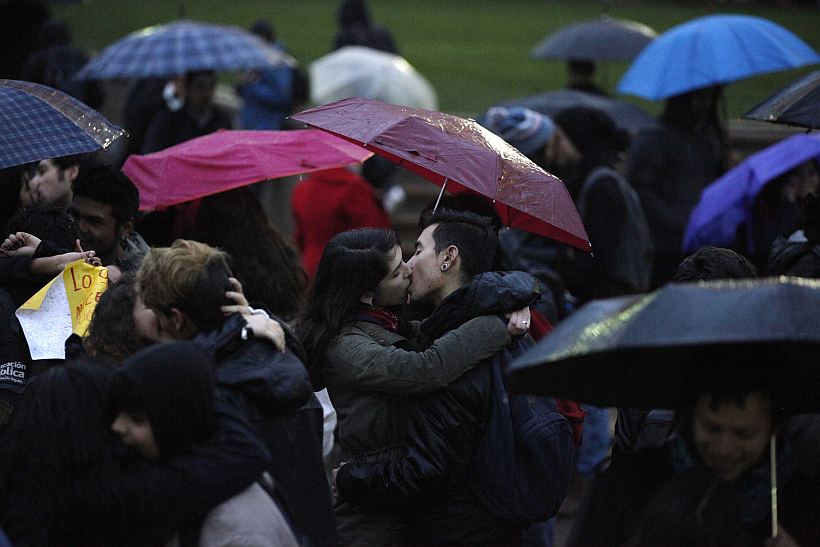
(63, 306)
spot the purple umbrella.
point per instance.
(727, 203)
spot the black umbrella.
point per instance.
(654, 350)
(796, 104)
(626, 115)
(604, 39)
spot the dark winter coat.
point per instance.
(669, 168)
(622, 245)
(274, 391)
(370, 372)
(795, 256)
(169, 128)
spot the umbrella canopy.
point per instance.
(38, 122)
(716, 49)
(356, 71)
(727, 203)
(177, 48)
(626, 115)
(442, 147)
(604, 39)
(653, 350)
(796, 104)
(229, 159)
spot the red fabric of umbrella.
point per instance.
(442, 147)
(229, 159)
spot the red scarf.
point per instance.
(385, 319)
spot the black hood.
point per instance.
(173, 385)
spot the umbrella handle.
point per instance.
(438, 199)
(773, 473)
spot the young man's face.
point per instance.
(731, 439)
(51, 185)
(425, 265)
(99, 230)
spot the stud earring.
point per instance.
(444, 267)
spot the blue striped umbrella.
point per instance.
(38, 122)
(177, 48)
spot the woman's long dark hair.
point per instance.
(58, 459)
(265, 262)
(353, 263)
(112, 334)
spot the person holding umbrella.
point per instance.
(198, 115)
(710, 483)
(670, 166)
(734, 358)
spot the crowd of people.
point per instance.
(239, 387)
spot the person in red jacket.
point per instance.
(328, 203)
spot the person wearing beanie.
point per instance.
(163, 404)
(534, 135)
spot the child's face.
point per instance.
(136, 431)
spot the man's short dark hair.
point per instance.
(709, 263)
(47, 223)
(472, 203)
(82, 160)
(474, 235)
(107, 185)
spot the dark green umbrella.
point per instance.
(654, 350)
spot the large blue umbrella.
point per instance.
(38, 122)
(715, 49)
(727, 203)
(177, 48)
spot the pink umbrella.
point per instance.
(444, 148)
(229, 159)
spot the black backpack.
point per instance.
(523, 463)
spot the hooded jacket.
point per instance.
(274, 392)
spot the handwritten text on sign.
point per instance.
(84, 285)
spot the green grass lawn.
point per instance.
(474, 52)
